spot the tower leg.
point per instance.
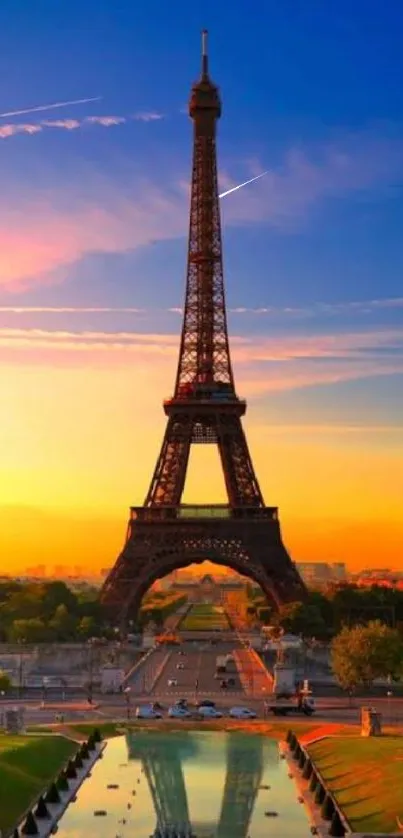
(242, 485)
(169, 476)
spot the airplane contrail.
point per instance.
(51, 107)
(240, 185)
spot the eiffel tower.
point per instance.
(165, 534)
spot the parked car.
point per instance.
(206, 703)
(172, 682)
(177, 712)
(209, 713)
(242, 713)
(147, 712)
(181, 702)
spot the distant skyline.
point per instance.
(95, 169)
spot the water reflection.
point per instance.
(212, 784)
(244, 773)
(161, 760)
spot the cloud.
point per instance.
(12, 129)
(147, 116)
(56, 227)
(50, 107)
(323, 429)
(68, 310)
(355, 307)
(67, 124)
(319, 309)
(262, 364)
(283, 197)
(106, 121)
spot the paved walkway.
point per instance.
(255, 679)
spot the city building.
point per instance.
(319, 574)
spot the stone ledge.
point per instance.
(46, 826)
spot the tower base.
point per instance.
(163, 539)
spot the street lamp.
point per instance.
(45, 682)
(127, 695)
(389, 695)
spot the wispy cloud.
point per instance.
(11, 129)
(54, 229)
(68, 310)
(353, 166)
(106, 121)
(50, 107)
(281, 429)
(325, 309)
(46, 231)
(147, 116)
(67, 124)
(262, 364)
(357, 307)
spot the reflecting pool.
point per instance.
(214, 783)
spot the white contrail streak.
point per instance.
(240, 185)
(51, 107)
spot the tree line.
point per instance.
(324, 615)
(49, 612)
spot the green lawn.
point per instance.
(205, 617)
(27, 765)
(366, 777)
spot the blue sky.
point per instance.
(95, 215)
(93, 226)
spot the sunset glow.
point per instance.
(93, 226)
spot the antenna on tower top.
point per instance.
(204, 53)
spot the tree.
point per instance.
(87, 627)
(24, 604)
(301, 618)
(55, 594)
(363, 653)
(5, 681)
(29, 631)
(63, 623)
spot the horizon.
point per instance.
(96, 169)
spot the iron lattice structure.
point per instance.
(164, 534)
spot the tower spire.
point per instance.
(204, 54)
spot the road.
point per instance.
(114, 707)
(198, 673)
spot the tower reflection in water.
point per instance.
(168, 760)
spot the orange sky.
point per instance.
(79, 438)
